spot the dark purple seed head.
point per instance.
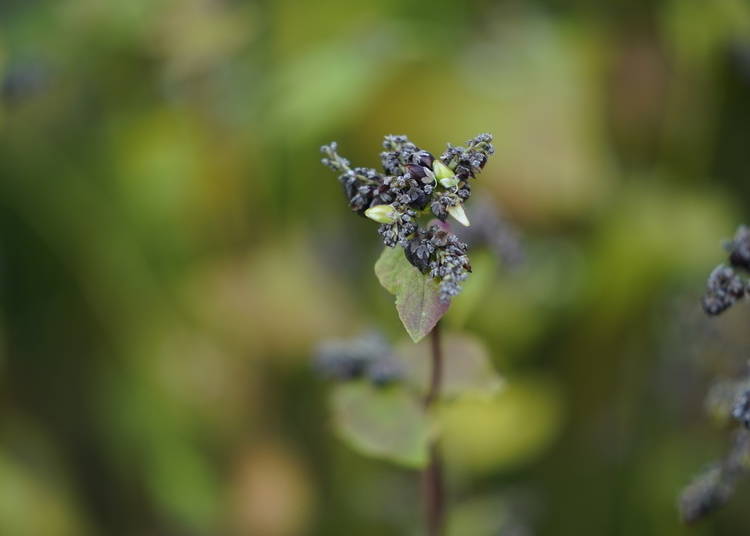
(423, 158)
(416, 171)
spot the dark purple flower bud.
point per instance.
(741, 409)
(423, 158)
(706, 494)
(439, 210)
(713, 305)
(724, 288)
(350, 189)
(723, 279)
(418, 198)
(415, 171)
(418, 252)
(440, 238)
(463, 172)
(739, 248)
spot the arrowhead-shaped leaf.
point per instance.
(466, 366)
(417, 295)
(384, 422)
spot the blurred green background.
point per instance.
(171, 251)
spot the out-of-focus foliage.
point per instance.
(484, 433)
(384, 422)
(380, 406)
(466, 366)
(171, 251)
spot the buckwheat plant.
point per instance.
(384, 402)
(714, 487)
(415, 183)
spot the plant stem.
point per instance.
(432, 478)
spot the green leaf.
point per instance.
(485, 433)
(467, 366)
(417, 295)
(383, 422)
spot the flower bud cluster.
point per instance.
(442, 255)
(415, 183)
(713, 488)
(369, 357)
(706, 493)
(725, 287)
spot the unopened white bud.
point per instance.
(449, 182)
(458, 213)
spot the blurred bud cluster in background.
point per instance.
(172, 252)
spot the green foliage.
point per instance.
(482, 433)
(34, 503)
(390, 422)
(386, 422)
(417, 295)
(481, 516)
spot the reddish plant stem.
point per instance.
(432, 477)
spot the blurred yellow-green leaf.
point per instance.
(512, 427)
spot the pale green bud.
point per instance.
(381, 213)
(449, 182)
(444, 175)
(458, 213)
(441, 170)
